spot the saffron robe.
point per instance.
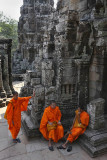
(79, 128)
(51, 115)
(13, 112)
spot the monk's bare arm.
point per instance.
(22, 99)
(33, 95)
(59, 116)
(78, 116)
(73, 122)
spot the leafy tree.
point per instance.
(8, 29)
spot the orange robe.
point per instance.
(51, 115)
(79, 129)
(13, 112)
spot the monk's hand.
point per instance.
(59, 123)
(50, 123)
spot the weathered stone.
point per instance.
(46, 65)
(35, 81)
(94, 139)
(47, 77)
(96, 112)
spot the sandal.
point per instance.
(14, 140)
(51, 148)
(69, 149)
(61, 147)
(18, 140)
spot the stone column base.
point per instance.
(94, 142)
(3, 94)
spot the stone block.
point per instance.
(35, 81)
(31, 129)
(94, 76)
(96, 112)
(47, 77)
(33, 74)
(47, 64)
(60, 27)
(39, 89)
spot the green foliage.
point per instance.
(8, 29)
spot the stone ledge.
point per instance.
(18, 77)
(93, 151)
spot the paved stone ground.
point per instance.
(35, 149)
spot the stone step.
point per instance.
(91, 150)
(96, 138)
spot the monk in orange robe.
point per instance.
(79, 126)
(50, 125)
(13, 112)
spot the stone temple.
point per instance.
(63, 54)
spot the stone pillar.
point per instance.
(47, 79)
(94, 139)
(10, 64)
(96, 112)
(6, 76)
(95, 76)
(47, 73)
(2, 91)
(83, 82)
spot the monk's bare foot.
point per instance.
(64, 146)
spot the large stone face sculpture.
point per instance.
(64, 52)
